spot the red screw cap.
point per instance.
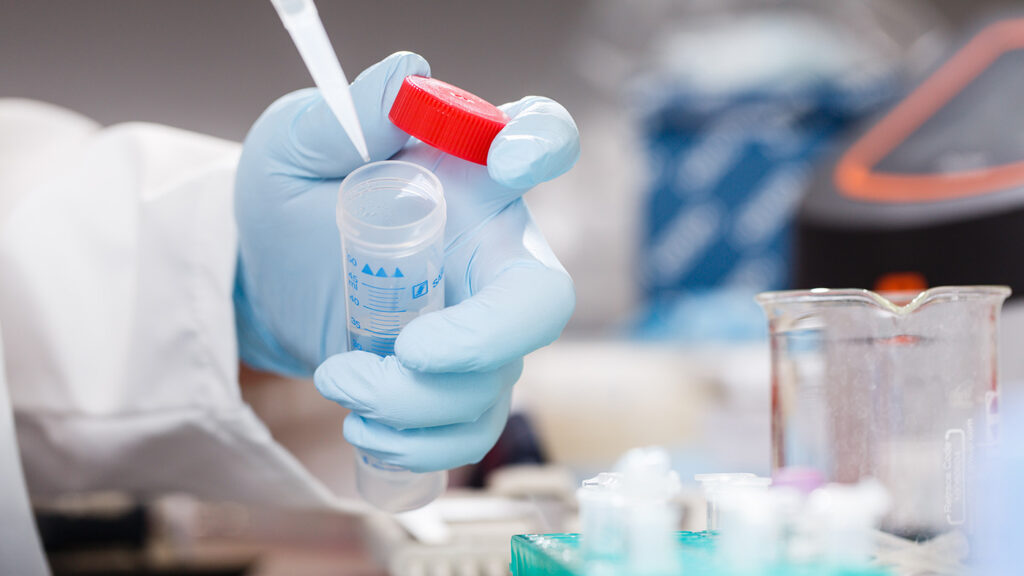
(447, 117)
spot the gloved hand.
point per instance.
(443, 399)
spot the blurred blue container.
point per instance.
(733, 129)
(727, 175)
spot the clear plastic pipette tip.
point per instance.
(302, 21)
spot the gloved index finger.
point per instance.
(524, 308)
(521, 299)
(540, 143)
(303, 137)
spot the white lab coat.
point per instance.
(117, 259)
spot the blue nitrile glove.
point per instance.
(443, 399)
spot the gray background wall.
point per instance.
(213, 65)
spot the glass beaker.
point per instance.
(901, 387)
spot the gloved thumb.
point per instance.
(303, 137)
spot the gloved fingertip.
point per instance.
(326, 383)
(398, 66)
(540, 143)
(322, 379)
(354, 430)
(401, 63)
(513, 161)
(411, 349)
(349, 378)
(374, 92)
(437, 343)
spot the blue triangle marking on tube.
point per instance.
(398, 273)
(381, 273)
(366, 269)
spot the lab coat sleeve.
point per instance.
(117, 261)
